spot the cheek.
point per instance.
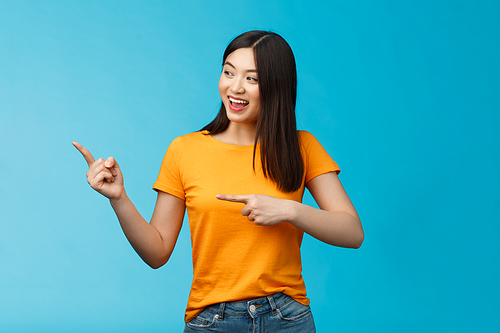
(256, 97)
(221, 86)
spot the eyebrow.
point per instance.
(230, 64)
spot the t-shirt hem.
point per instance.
(322, 171)
(170, 190)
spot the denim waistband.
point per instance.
(252, 307)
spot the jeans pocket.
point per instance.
(292, 311)
(204, 319)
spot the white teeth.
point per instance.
(237, 101)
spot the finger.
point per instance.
(96, 167)
(246, 211)
(86, 154)
(101, 177)
(115, 169)
(109, 179)
(233, 198)
(110, 162)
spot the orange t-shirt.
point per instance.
(234, 259)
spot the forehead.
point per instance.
(242, 58)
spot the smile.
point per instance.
(236, 104)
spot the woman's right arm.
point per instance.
(153, 242)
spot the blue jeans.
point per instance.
(274, 313)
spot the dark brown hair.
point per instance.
(276, 126)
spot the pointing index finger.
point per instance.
(86, 154)
(233, 198)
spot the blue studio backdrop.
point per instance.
(402, 94)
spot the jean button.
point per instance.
(252, 308)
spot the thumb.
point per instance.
(113, 166)
(110, 162)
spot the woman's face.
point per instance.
(239, 87)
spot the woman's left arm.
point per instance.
(335, 223)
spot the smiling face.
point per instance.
(239, 87)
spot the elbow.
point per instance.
(359, 235)
(358, 240)
(352, 238)
(155, 259)
(354, 235)
(358, 244)
(155, 264)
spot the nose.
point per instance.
(237, 86)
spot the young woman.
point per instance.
(242, 178)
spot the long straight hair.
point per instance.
(281, 158)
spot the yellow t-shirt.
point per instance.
(234, 259)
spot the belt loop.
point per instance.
(221, 311)
(271, 301)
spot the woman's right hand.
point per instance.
(104, 176)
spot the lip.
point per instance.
(235, 108)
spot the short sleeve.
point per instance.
(316, 160)
(170, 179)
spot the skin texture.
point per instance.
(153, 242)
(335, 222)
(239, 79)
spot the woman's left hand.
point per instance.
(262, 209)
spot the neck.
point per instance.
(241, 134)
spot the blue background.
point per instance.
(403, 94)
